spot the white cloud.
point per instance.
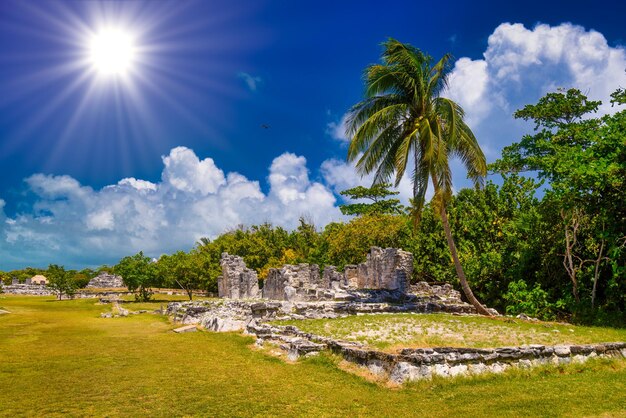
(185, 172)
(251, 81)
(520, 65)
(337, 130)
(138, 184)
(76, 225)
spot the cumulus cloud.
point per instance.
(251, 81)
(72, 224)
(520, 65)
(337, 129)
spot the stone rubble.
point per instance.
(236, 315)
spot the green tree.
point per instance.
(349, 243)
(377, 194)
(184, 270)
(61, 281)
(139, 274)
(404, 116)
(584, 161)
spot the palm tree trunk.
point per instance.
(457, 263)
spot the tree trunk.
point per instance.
(570, 242)
(596, 273)
(459, 269)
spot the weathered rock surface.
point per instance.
(388, 268)
(295, 282)
(237, 281)
(105, 280)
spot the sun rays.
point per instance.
(105, 75)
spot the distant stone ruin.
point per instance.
(105, 280)
(237, 281)
(17, 288)
(387, 269)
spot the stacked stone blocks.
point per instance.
(385, 269)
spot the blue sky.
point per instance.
(232, 112)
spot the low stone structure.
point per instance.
(106, 280)
(424, 363)
(237, 281)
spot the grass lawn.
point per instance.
(392, 331)
(61, 358)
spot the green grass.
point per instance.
(61, 358)
(393, 331)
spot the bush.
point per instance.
(534, 302)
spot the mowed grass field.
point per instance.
(61, 358)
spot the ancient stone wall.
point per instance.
(105, 281)
(237, 281)
(293, 282)
(388, 268)
(424, 363)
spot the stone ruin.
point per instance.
(105, 280)
(386, 269)
(379, 285)
(237, 281)
(26, 288)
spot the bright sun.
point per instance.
(112, 52)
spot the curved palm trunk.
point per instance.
(457, 263)
(459, 269)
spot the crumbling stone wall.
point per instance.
(385, 269)
(332, 279)
(237, 281)
(293, 282)
(424, 363)
(388, 268)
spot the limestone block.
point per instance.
(186, 328)
(388, 268)
(405, 372)
(294, 283)
(331, 278)
(237, 280)
(350, 274)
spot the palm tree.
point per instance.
(404, 116)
